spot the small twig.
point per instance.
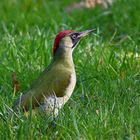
(15, 84)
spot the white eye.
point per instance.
(73, 36)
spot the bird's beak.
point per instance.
(85, 33)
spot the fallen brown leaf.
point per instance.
(15, 84)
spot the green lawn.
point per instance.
(105, 104)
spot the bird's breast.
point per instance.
(53, 103)
(69, 89)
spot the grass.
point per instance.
(106, 100)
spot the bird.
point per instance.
(55, 85)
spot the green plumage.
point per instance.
(53, 81)
(55, 85)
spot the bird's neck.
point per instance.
(64, 57)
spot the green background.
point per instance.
(106, 101)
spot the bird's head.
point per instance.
(67, 40)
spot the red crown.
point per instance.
(58, 37)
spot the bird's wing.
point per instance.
(50, 83)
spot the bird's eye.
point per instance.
(73, 36)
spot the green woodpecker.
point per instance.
(55, 85)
